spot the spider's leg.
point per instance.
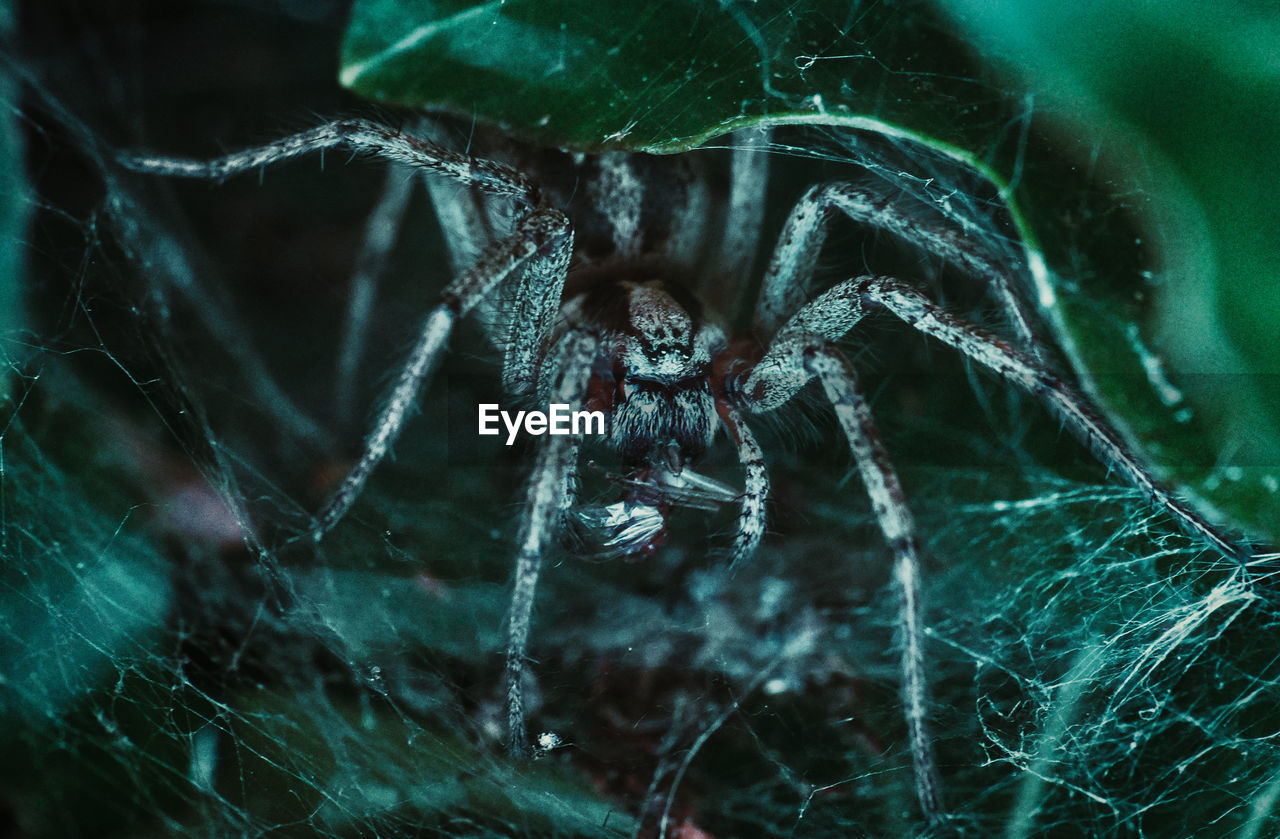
(786, 281)
(783, 370)
(359, 135)
(536, 302)
(797, 354)
(537, 231)
(466, 219)
(743, 221)
(547, 494)
(380, 234)
(542, 236)
(688, 208)
(1076, 412)
(617, 193)
(463, 219)
(891, 511)
(751, 521)
(526, 321)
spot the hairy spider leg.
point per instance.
(468, 222)
(463, 221)
(1076, 411)
(360, 136)
(619, 193)
(786, 281)
(690, 208)
(894, 516)
(798, 352)
(543, 236)
(775, 378)
(549, 491)
(380, 234)
(751, 519)
(721, 290)
(539, 288)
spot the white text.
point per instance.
(558, 419)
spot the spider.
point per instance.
(606, 273)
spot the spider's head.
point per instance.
(662, 363)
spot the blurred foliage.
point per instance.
(1176, 106)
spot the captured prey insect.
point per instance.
(603, 274)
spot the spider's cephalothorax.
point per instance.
(658, 384)
(623, 339)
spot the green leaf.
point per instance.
(660, 76)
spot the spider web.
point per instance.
(170, 661)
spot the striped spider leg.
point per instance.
(801, 348)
